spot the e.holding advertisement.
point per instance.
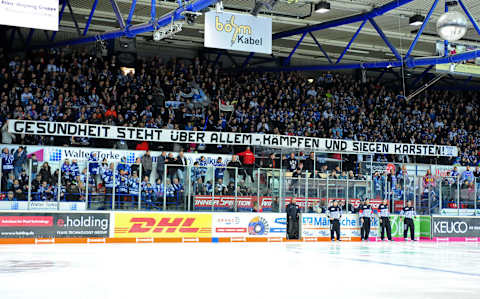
(163, 225)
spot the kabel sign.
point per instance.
(238, 32)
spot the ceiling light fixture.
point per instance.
(416, 20)
(322, 7)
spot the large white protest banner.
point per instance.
(226, 138)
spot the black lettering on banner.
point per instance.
(355, 146)
(308, 143)
(149, 134)
(371, 147)
(343, 145)
(17, 127)
(92, 131)
(328, 144)
(316, 143)
(52, 128)
(412, 149)
(200, 137)
(121, 133)
(397, 148)
(299, 141)
(214, 137)
(293, 141)
(41, 128)
(431, 150)
(82, 130)
(267, 140)
(284, 141)
(238, 138)
(59, 129)
(405, 149)
(29, 127)
(130, 133)
(139, 134)
(247, 138)
(191, 137)
(72, 129)
(173, 135)
(106, 129)
(183, 136)
(159, 134)
(385, 148)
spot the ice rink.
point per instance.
(241, 270)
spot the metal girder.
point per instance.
(420, 77)
(118, 15)
(60, 16)
(420, 31)
(320, 47)
(351, 41)
(73, 17)
(442, 60)
(385, 39)
(245, 62)
(287, 60)
(140, 28)
(130, 14)
(89, 21)
(344, 21)
(445, 42)
(153, 12)
(469, 15)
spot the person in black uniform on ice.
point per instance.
(293, 216)
(384, 215)
(409, 213)
(365, 215)
(334, 213)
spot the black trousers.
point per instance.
(385, 225)
(335, 228)
(292, 228)
(365, 231)
(408, 224)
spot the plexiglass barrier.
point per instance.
(103, 185)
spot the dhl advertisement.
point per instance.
(162, 225)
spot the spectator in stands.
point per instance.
(147, 162)
(123, 166)
(161, 165)
(219, 169)
(311, 165)
(203, 167)
(7, 163)
(248, 162)
(170, 163)
(220, 188)
(11, 196)
(136, 166)
(93, 166)
(34, 163)
(231, 166)
(182, 164)
(19, 159)
(467, 178)
(292, 163)
(271, 162)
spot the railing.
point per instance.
(124, 186)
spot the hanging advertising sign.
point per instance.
(240, 32)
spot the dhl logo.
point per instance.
(169, 225)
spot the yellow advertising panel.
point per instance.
(166, 225)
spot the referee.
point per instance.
(384, 214)
(365, 216)
(334, 213)
(409, 212)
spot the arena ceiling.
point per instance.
(368, 46)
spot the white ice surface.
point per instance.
(241, 270)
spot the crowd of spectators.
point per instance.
(63, 85)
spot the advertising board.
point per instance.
(161, 225)
(318, 225)
(30, 13)
(54, 225)
(249, 225)
(455, 227)
(421, 223)
(42, 205)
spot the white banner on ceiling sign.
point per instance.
(238, 32)
(203, 137)
(30, 13)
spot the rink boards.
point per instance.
(152, 227)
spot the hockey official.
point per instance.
(365, 216)
(384, 214)
(334, 214)
(293, 216)
(409, 213)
